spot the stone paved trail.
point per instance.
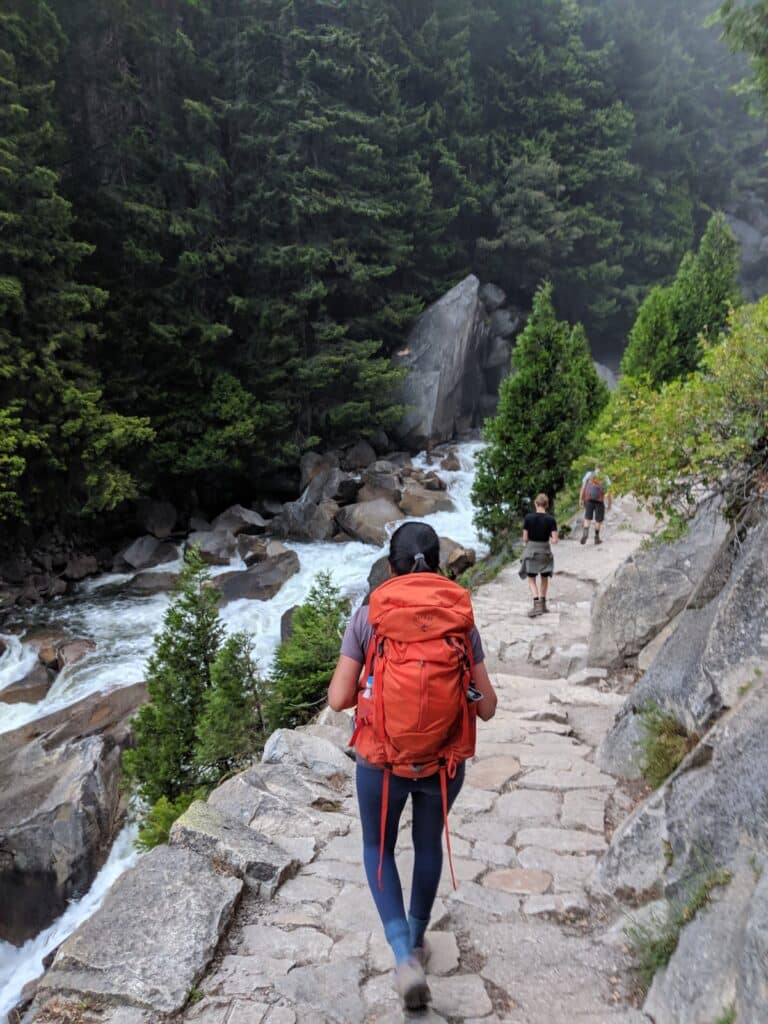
(518, 941)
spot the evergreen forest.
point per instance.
(218, 218)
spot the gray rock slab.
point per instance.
(570, 872)
(491, 903)
(561, 840)
(486, 828)
(322, 758)
(580, 776)
(301, 945)
(584, 808)
(133, 950)
(329, 991)
(263, 865)
(305, 889)
(461, 995)
(558, 905)
(246, 976)
(527, 805)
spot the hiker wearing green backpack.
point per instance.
(412, 666)
(594, 499)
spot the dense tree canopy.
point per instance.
(220, 217)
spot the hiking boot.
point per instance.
(543, 605)
(598, 539)
(584, 536)
(536, 610)
(411, 984)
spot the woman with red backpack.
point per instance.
(412, 664)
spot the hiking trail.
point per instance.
(520, 941)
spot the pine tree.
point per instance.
(230, 729)
(179, 674)
(545, 408)
(62, 448)
(304, 662)
(665, 341)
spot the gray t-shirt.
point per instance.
(359, 632)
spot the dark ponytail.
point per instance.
(414, 547)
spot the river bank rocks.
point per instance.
(60, 806)
(55, 650)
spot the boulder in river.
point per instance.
(238, 519)
(416, 500)
(259, 583)
(145, 584)
(367, 521)
(157, 517)
(146, 552)
(30, 689)
(216, 547)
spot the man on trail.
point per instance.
(593, 498)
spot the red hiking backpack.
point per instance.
(416, 720)
(594, 489)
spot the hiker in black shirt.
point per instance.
(539, 533)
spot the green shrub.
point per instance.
(156, 823)
(304, 663)
(665, 744)
(162, 762)
(230, 730)
(652, 945)
(729, 1017)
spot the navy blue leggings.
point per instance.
(426, 830)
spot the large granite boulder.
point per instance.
(147, 584)
(59, 807)
(368, 520)
(151, 939)
(323, 758)
(718, 647)
(259, 583)
(238, 519)
(146, 552)
(418, 500)
(441, 355)
(652, 586)
(31, 688)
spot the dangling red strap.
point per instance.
(383, 827)
(444, 792)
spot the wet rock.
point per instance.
(145, 584)
(148, 551)
(455, 559)
(31, 688)
(80, 566)
(216, 547)
(313, 464)
(259, 583)
(367, 521)
(132, 950)
(75, 650)
(418, 502)
(237, 520)
(157, 517)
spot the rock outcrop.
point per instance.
(59, 807)
(717, 646)
(652, 586)
(456, 355)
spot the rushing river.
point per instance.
(123, 627)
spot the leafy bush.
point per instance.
(305, 662)
(545, 408)
(707, 432)
(653, 945)
(665, 744)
